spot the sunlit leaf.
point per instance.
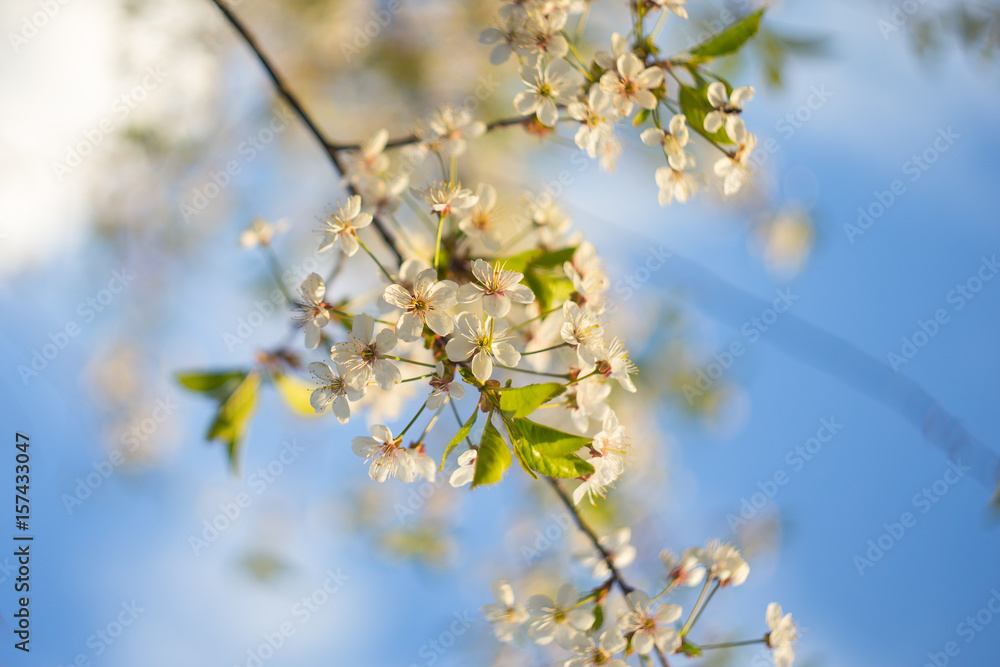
(296, 392)
(522, 401)
(234, 415)
(493, 459)
(729, 40)
(462, 434)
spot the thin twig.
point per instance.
(616, 575)
(329, 147)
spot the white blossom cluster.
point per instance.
(599, 94)
(646, 625)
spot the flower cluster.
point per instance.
(578, 623)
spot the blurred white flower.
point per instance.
(782, 636)
(507, 616)
(599, 653)
(466, 469)
(672, 142)
(734, 170)
(368, 161)
(651, 627)
(559, 620)
(618, 549)
(687, 570)
(333, 390)
(444, 387)
(481, 222)
(260, 232)
(727, 109)
(597, 117)
(724, 563)
(547, 89)
(631, 84)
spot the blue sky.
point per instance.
(129, 541)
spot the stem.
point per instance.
(582, 23)
(659, 24)
(410, 361)
(437, 244)
(525, 370)
(430, 424)
(458, 418)
(554, 347)
(375, 259)
(704, 606)
(748, 642)
(412, 421)
(275, 267)
(419, 377)
(697, 606)
(536, 317)
(345, 314)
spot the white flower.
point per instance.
(686, 570)
(367, 161)
(466, 469)
(547, 219)
(674, 184)
(619, 47)
(333, 389)
(582, 331)
(388, 458)
(481, 222)
(782, 636)
(423, 465)
(312, 311)
(676, 6)
(560, 619)
(509, 35)
(473, 338)
(448, 128)
(734, 170)
(672, 142)
(590, 653)
(546, 90)
(544, 35)
(496, 286)
(447, 198)
(597, 116)
(631, 84)
(344, 225)
(506, 616)
(590, 282)
(724, 563)
(607, 454)
(618, 549)
(363, 356)
(260, 232)
(726, 111)
(424, 303)
(586, 400)
(444, 387)
(651, 628)
(382, 194)
(613, 363)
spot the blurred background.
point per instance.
(873, 212)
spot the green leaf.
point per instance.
(640, 117)
(493, 459)
(598, 618)
(539, 258)
(296, 392)
(234, 415)
(729, 40)
(210, 383)
(462, 434)
(522, 401)
(551, 451)
(695, 106)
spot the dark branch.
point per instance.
(329, 147)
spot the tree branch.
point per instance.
(329, 147)
(616, 575)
